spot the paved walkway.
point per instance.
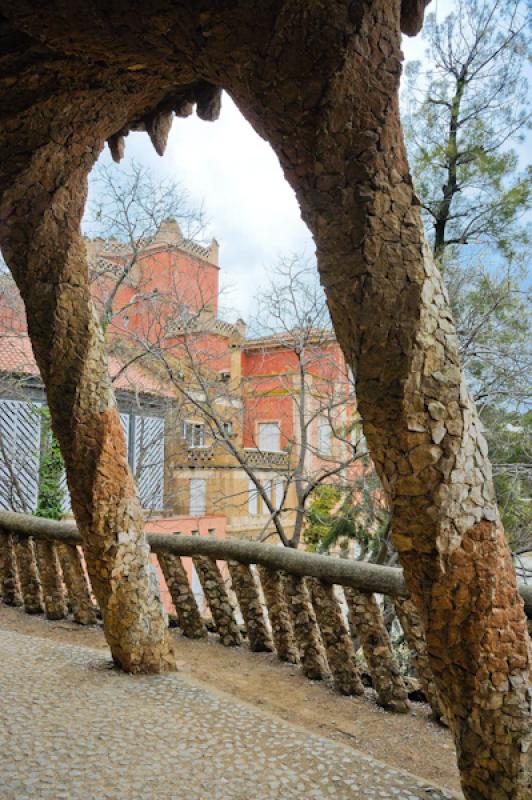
(71, 728)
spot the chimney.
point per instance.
(214, 252)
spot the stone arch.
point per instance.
(319, 81)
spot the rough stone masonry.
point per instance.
(319, 80)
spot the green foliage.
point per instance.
(462, 117)
(338, 516)
(51, 495)
(510, 442)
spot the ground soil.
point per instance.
(410, 742)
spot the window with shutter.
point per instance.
(269, 436)
(20, 439)
(324, 437)
(198, 488)
(253, 499)
(148, 459)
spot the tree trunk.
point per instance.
(41, 241)
(282, 631)
(30, 583)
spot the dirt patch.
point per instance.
(406, 741)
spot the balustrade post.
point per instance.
(336, 638)
(278, 614)
(251, 607)
(11, 594)
(366, 622)
(55, 606)
(187, 611)
(78, 589)
(306, 631)
(30, 582)
(415, 638)
(218, 600)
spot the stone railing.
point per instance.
(266, 458)
(307, 608)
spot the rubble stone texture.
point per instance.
(336, 639)
(223, 751)
(306, 631)
(188, 615)
(30, 584)
(415, 638)
(53, 595)
(278, 614)
(324, 93)
(222, 611)
(11, 593)
(78, 590)
(247, 594)
(367, 623)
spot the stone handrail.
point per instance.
(344, 572)
(288, 604)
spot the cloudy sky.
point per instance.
(252, 210)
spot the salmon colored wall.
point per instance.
(177, 277)
(185, 525)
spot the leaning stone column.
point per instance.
(78, 589)
(336, 638)
(249, 601)
(306, 631)
(30, 583)
(216, 595)
(278, 614)
(42, 203)
(188, 615)
(54, 599)
(366, 622)
(11, 594)
(415, 638)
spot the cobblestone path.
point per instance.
(72, 728)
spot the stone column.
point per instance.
(367, 623)
(415, 639)
(306, 631)
(251, 607)
(336, 638)
(216, 595)
(42, 203)
(30, 583)
(278, 614)
(11, 594)
(188, 615)
(55, 606)
(78, 589)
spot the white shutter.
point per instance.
(124, 419)
(253, 498)
(324, 438)
(197, 497)
(20, 440)
(279, 492)
(148, 460)
(269, 436)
